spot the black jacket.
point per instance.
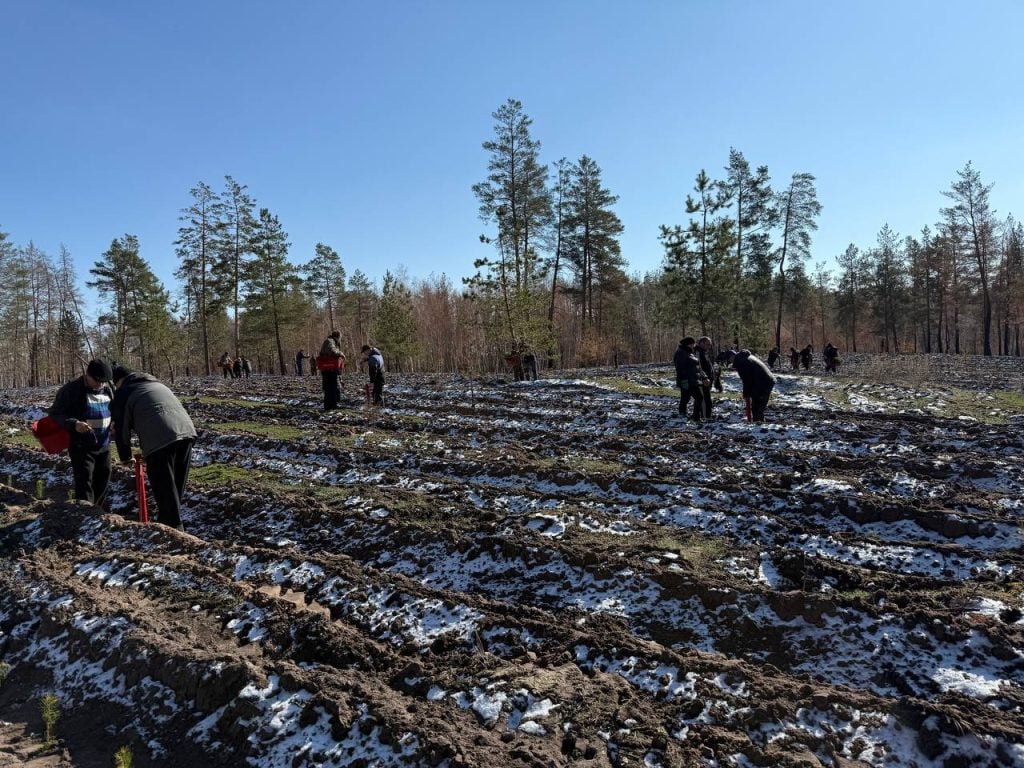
(71, 404)
(706, 365)
(757, 379)
(686, 366)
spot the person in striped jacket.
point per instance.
(82, 407)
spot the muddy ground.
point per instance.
(560, 572)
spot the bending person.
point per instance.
(166, 434)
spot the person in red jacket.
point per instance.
(330, 361)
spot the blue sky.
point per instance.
(360, 124)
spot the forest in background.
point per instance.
(552, 279)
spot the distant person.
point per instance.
(807, 357)
(831, 356)
(773, 358)
(82, 407)
(246, 367)
(236, 368)
(530, 366)
(758, 382)
(687, 365)
(226, 365)
(166, 434)
(300, 359)
(375, 367)
(330, 361)
(515, 361)
(794, 358)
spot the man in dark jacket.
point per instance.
(758, 381)
(806, 357)
(82, 407)
(149, 409)
(375, 366)
(687, 378)
(706, 375)
(831, 355)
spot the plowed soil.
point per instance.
(560, 572)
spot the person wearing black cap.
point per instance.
(687, 378)
(82, 407)
(148, 408)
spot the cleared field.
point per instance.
(559, 572)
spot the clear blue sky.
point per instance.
(360, 124)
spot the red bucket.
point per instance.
(52, 437)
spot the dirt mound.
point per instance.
(533, 574)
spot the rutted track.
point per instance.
(548, 573)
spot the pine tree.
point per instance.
(140, 322)
(325, 279)
(853, 278)
(798, 207)
(516, 200)
(594, 231)
(197, 245)
(234, 234)
(889, 287)
(395, 328)
(364, 303)
(972, 211)
(272, 284)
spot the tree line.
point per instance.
(551, 278)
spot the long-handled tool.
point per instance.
(749, 409)
(140, 488)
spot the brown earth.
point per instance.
(553, 573)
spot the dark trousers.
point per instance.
(168, 473)
(758, 403)
(332, 392)
(684, 399)
(91, 472)
(378, 389)
(702, 404)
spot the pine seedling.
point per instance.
(123, 758)
(40, 489)
(49, 708)
(5, 668)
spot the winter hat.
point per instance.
(99, 370)
(120, 372)
(687, 342)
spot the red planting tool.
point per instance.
(140, 489)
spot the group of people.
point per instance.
(235, 368)
(696, 375)
(805, 358)
(107, 404)
(523, 364)
(331, 362)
